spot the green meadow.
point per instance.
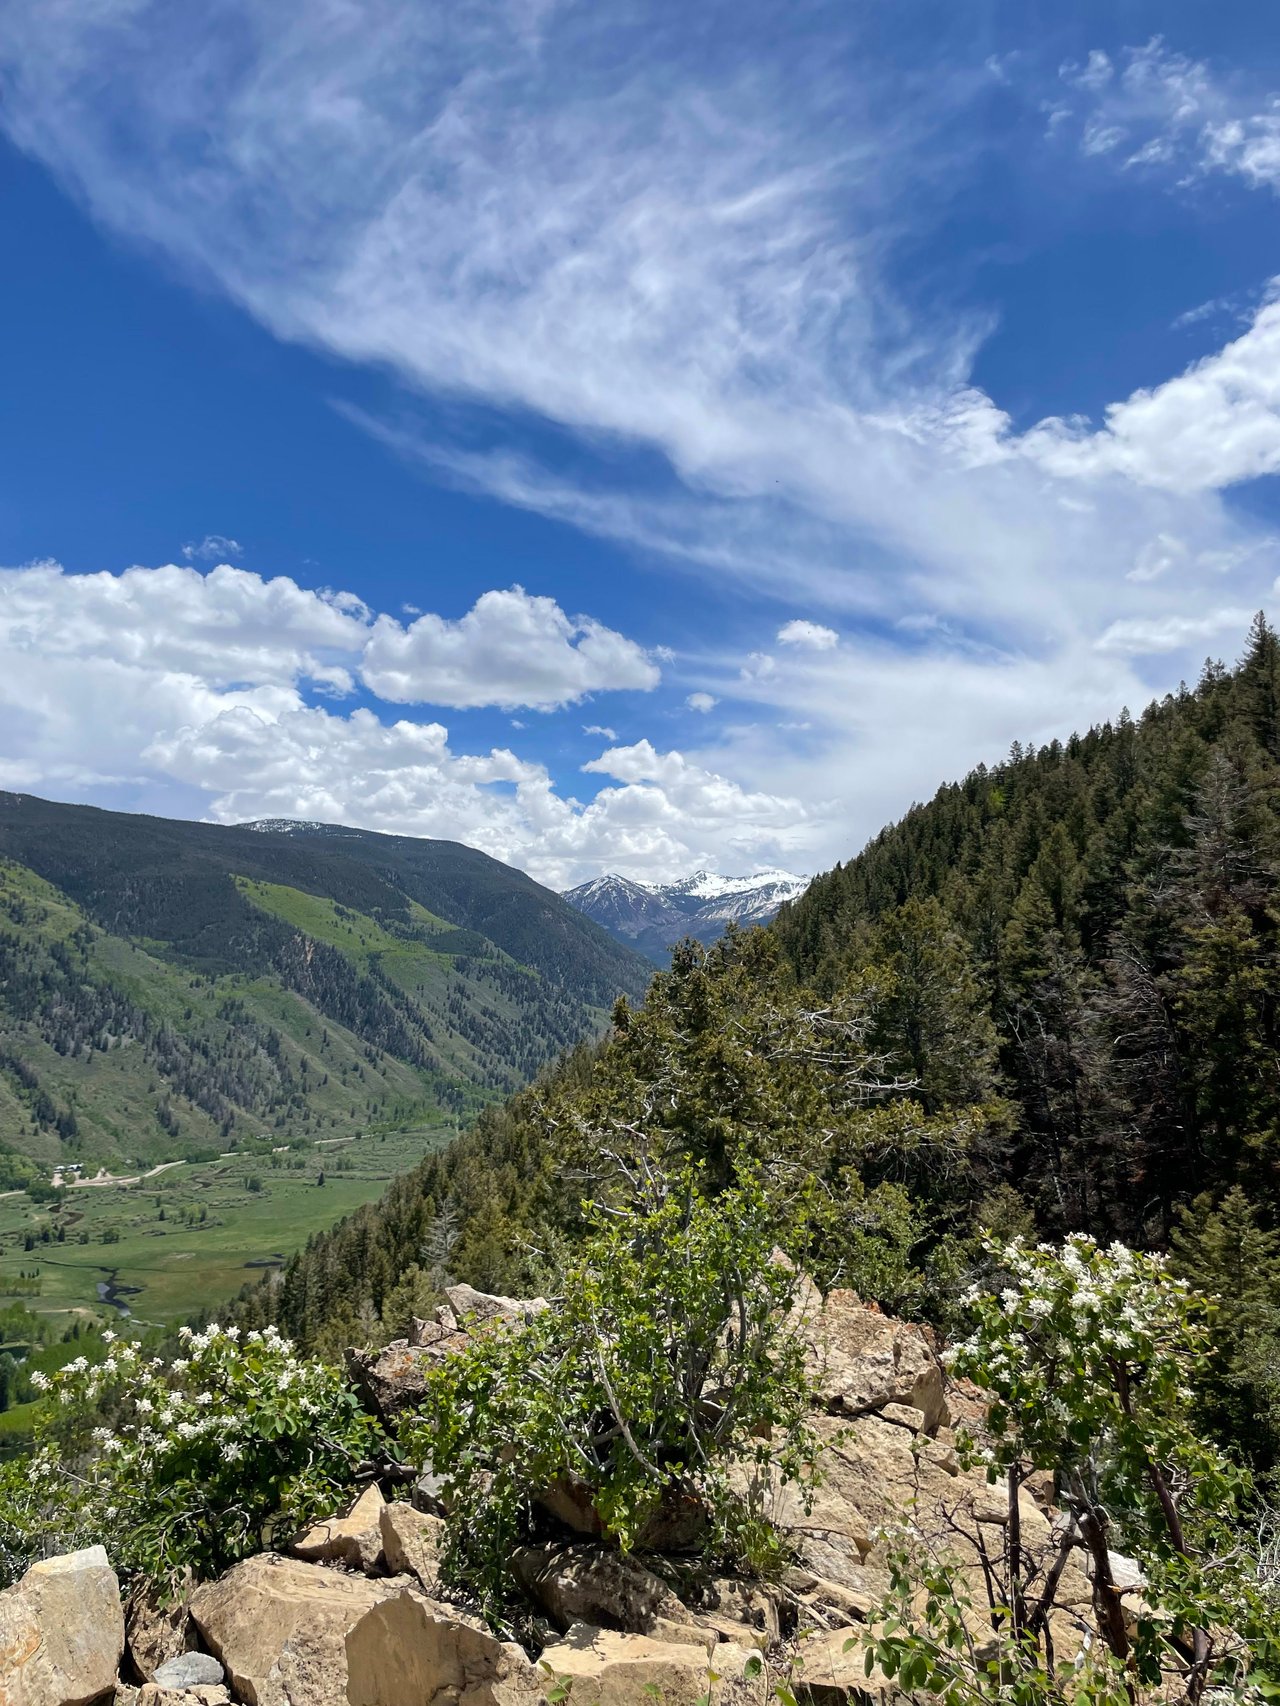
(191, 1235)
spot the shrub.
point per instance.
(191, 1464)
(666, 1374)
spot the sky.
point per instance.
(631, 438)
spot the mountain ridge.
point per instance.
(167, 987)
(654, 916)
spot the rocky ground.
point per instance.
(352, 1614)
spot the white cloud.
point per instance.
(600, 729)
(655, 253)
(213, 548)
(1172, 633)
(1212, 426)
(810, 635)
(703, 702)
(1173, 111)
(758, 667)
(510, 649)
(193, 691)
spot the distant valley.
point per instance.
(654, 916)
(260, 1004)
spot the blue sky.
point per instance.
(621, 438)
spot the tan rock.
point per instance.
(279, 1626)
(408, 1651)
(411, 1543)
(607, 1668)
(850, 1599)
(596, 1585)
(862, 1360)
(354, 1538)
(906, 1416)
(471, 1307)
(61, 1632)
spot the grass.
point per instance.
(180, 1268)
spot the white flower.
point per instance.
(185, 1333)
(144, 1406)
(232, 1452)
(109, 1338)
(41, 1382)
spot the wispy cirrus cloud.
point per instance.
(1151, 106)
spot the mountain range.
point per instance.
(654, 916)
(168, 988)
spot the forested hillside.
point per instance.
(169, 988)
(1045, 1000)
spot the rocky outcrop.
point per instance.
(411, 1544)
(279, 1627)
(354, 1538)
(356, 1614)
(861, 1360)
(393, 1380)
(409, 1651)
(595, 1584)
(61, 1632)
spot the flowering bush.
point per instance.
(189, 1464)
(1090, 1356)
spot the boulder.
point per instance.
(606, 1668)
(61, 1632)
(354, 1538)
(408, 1651)
(279, 1626)
(862, 1360)
(830, 1601)
(472, 1308)
(393, 1380)
(189, 1670)
(156, 1629)
(411, 1543)
(593, 1584)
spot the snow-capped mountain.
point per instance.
(654, 916)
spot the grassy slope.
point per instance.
(115, 1094)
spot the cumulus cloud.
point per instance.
(1212, 426)
(199, 689)
(600, 729)
(811, 635)
(510, 649)
(213, 548)
(703, 702)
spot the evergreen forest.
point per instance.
(1044, 1002)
